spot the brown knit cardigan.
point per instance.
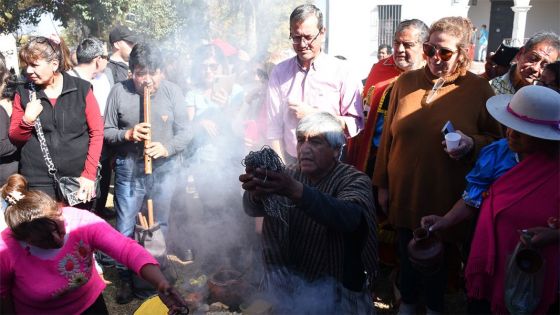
(421, 177)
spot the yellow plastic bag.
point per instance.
(152, 306)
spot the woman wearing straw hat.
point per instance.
(516, 185)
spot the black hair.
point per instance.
(203, 53)
(89, 49)
(146, 57)
(388, 47)
(10, 86)
(555, 68)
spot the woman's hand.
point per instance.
(466, 144)
(33, 109)
(87, 189)
(434, 223)
(542, 236)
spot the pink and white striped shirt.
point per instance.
(329, 85)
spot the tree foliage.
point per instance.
(256, 26)
(16, 13)
(93, 16)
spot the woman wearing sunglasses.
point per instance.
(415, 175)
(69, 115)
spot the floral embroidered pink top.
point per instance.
(65, 283)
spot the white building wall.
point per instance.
(480, 13)
(544, 15)
(353, 27)
(430, 11)
(350, 33)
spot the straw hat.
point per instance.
(534, 110)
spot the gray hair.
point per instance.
(423, 29)
(543, 37)
(303, 11)
(325, 124)
(89, 49)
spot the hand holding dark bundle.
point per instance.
(265, 180)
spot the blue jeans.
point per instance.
(133, 188)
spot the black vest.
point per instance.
(66, 131)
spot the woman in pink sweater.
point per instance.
(46, 257)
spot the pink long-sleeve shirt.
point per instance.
(68, 282)
(329, 85)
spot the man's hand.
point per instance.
(250, 182)
(278, 183)
(33, 109)
(466, 144)
(156, 150)
(300, 109)
(140, 132)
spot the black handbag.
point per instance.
(68, 187)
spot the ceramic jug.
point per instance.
(425, 251)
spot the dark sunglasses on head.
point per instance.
(443, 53)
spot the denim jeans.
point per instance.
(133, 188)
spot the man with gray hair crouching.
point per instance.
(319, 242)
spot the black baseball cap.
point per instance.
(121, 32)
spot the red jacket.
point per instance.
(380, 76)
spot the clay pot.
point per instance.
(227, 287)
(425, 251)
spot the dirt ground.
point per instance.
(385, 304)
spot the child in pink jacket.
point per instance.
(46, 257)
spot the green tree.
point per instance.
(158, 19)
(15, 13)
(256, 26)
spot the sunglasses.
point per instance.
(443, 53)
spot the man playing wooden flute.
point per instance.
(126, 131)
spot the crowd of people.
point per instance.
(354, 157)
